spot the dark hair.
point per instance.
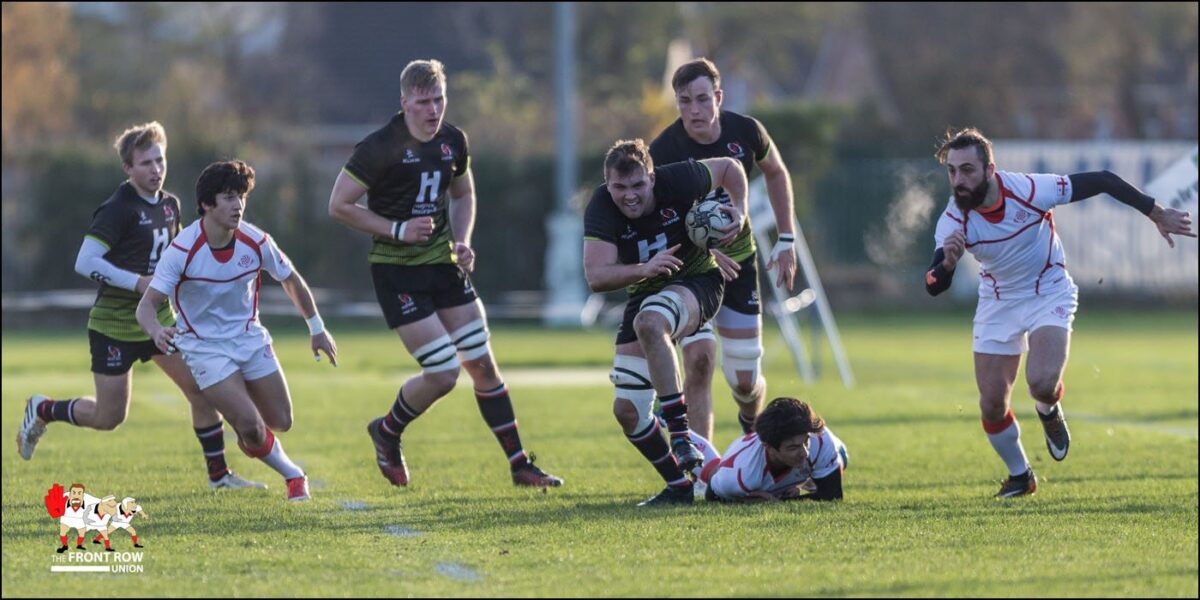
(693, 70)
(786, 418)
(626, 155)
(219, 177)
(965, 138)
(76, 485)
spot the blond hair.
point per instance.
(139, 137)
(420, 75)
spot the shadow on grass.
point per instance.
(988, 587)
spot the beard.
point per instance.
(974, 199)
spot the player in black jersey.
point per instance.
(635, 237)
(703, 130)
(420, 211)
(120, 251)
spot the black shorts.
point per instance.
(742, 293)
(408, 294)
(707, 286)
(114, 357)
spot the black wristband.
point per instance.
(786, 237)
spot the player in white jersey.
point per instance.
(123, 519)
(98, 517)
(78, 503)
(790, 452)
(212, 271)
(1027, 299)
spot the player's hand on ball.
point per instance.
(954, 246)
(164, 339)
(663, 263)
(734, 227)
(417, 230)
(323, 342)
(1170, 220)
(729, 267)
(466, 256)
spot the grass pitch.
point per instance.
(1117, 518)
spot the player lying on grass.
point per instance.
(791, 455)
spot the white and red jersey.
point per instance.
(74, 517)
(122, 519)
(216, 290)
(1018, 251)
(744, 468)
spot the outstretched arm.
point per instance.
(1167, 220)
(297, 290)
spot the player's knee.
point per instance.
(992, 408)
(442, 382)
(108, 420)
(635, 394)
(626, 414)
(252, 437)
(741, 363)
(471, 342)
(650, 325)
(280, 423)
(1044, 389)
(664, 312)
(439, 364)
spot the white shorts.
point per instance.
(72, 522)
(211, 362)
(1003, 326)
(94, 524)
(119, 524)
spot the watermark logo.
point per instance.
(98, 519)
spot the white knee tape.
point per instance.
(670, 305)
(437, 356)
(741, 355)
(631, 376)
(704, 333)
(471, 340)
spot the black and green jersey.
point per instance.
(135, 232)
(742, 138)
(676, 188)
(408, 178)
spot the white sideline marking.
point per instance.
(457, 572)
(1187, 432)
(352, 504)
(550, 377)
